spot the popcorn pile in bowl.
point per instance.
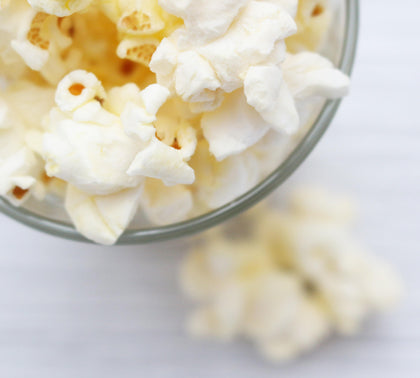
(296, 278)
(167, 107)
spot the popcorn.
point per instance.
(36, 38)
(218, 183)
(266, 91)
(20, 166)
(221, 63)
(142, 25)
(77, 89)
(297, 277)
(102, 153)
(308, 74)
(18, 174)
(165, 205)
(4, 4)
(205, 20)
(86, 145)
(102, 218)
(221, 81)
(159, 160)
(138, 50)
(203, 60)
(232, 128)
(313, 20)
(60, 8)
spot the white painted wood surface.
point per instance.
(74, 310)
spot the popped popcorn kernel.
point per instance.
(60, 7)
(289, 280)
(34, 35)
(313, 20)
(140, 51)
(138, 23)
(177, 106)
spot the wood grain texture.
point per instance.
(75, 310)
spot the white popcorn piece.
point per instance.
(137, 18)
(205, 20)
(60, 8)
(309, 328)
(92, 157)
(249, 54)
(18, 174)
(229, 56)
(167, 162)
(37, 39)
(138, 50)
(297, 277)
(102, 218)
(163, 162)
(313, 19)
(222, 318)
(100, 152)
(308, 74)
(165, 205)
(4, 4)
(218, 183)
(291, 6)
(141, 25)
(233, 127)
(266, 91)
(273, 305)
(270, 152)
(20, 166)
(224, 83)
(77, 89)
(12, 15)
(118, 97)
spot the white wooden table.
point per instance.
(75, 310)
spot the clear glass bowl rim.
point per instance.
(240, 204)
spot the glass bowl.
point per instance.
(342, 42)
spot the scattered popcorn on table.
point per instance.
(170, 108)
(297, 277)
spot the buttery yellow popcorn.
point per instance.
(141, 26)
(165, 107)
(60, 8)
(313, 21)
(289, 279)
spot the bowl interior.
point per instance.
(49, 216)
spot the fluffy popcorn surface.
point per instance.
(35, 37)
(313, 20)
(205, 20)
(221, 64)
(102, 218)
(98, 151)
(86, 145)
(158, 159)
(60, 8)
(218, 183)
(248, 54)
(20, 166)
(232, 128)
(308, 74)
(294, 279)
(268, 94)
(141, 25)
(165, 205)
(222, 81)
